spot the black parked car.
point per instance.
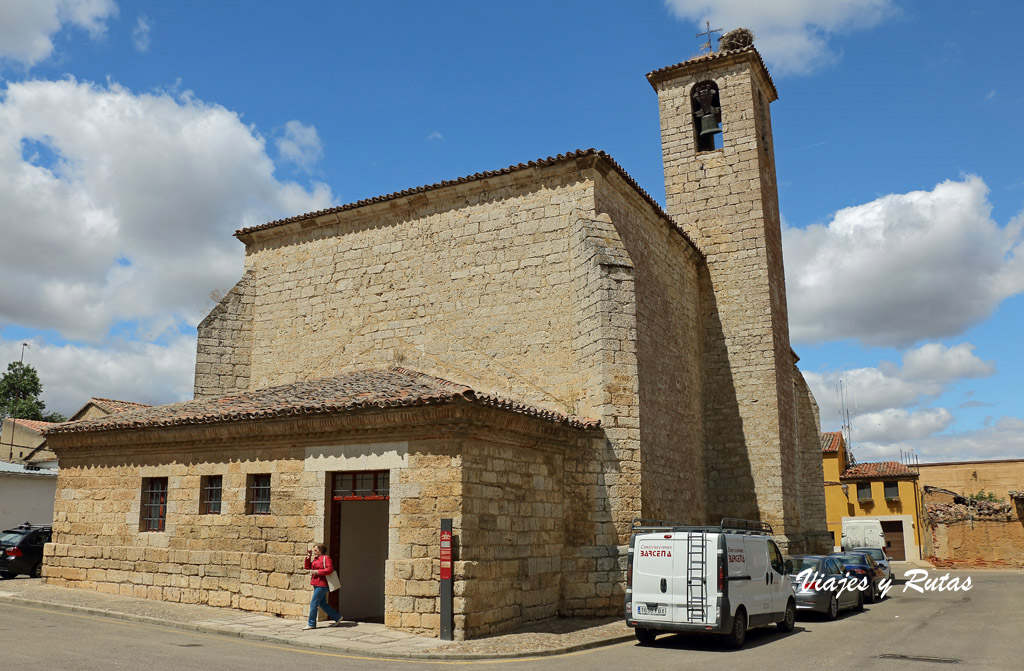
(861, 565)
(21, 550)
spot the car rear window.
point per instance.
(851, 559)
(874, 552)
(11, 537)
(804, 563)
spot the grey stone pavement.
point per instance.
(551, 637)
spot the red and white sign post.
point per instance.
(446, 579)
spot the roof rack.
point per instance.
(28, 526)
(729, 524)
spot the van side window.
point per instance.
(775, 557)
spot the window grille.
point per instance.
(154, 504)
(259, 494)
(210, 494)
(362, 486)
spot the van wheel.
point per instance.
(833, 608)
(738, 636)
(645, 636)
(789, 621)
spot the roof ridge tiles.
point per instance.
(354, 390)
(537, 163)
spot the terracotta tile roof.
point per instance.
(541, 162)
(661, 74)
(33, 424)
(353, 391)
(830, 441)
(112, 406)
(878, 469)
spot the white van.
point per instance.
(716, 580)
(862, 534)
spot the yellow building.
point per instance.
(887, 491)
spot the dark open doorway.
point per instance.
(359, 542)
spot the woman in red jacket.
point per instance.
(319, 565)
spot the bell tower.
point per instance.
(720, 188)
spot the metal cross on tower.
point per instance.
(709, 31)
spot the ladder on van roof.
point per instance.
(696, 576)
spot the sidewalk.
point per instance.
(552, 637)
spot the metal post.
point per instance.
(446, 579)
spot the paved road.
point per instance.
(976, 629)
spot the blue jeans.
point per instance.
(319, 600)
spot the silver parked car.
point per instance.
(820, 584)
(880, 557)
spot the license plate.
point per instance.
(656, 610)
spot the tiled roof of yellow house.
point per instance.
(831, 441)
(878, 469)
(348, 392)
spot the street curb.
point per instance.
(325, 646)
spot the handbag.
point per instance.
(333, 581)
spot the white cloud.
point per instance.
(1003, 440)
(129, 371)
(895, 425)
(120, 206)
(792, 35)
(926, 372)
(27, 27)
(937, 363)
(300, 145)
(902, 268)
(141, 34)
(435, 135)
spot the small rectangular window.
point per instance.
(209, 494)
(892, 490)
(362, 486)
(153, 512)
(258, 494)
(863, 491)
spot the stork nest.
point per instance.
(736, 39)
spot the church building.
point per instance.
(541, 353)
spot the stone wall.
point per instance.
(726, 200)
(813, 509)
(469, 283)
(968, 478)
(979, 542)
(249, 562)
(506, 497)
(224, 347)
(668, 336)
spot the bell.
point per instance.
(709, 125)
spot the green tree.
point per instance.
(19, 394)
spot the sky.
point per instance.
(137, 136)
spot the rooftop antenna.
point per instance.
(708, 32)
(846, 424)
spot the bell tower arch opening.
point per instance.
(707, 115)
